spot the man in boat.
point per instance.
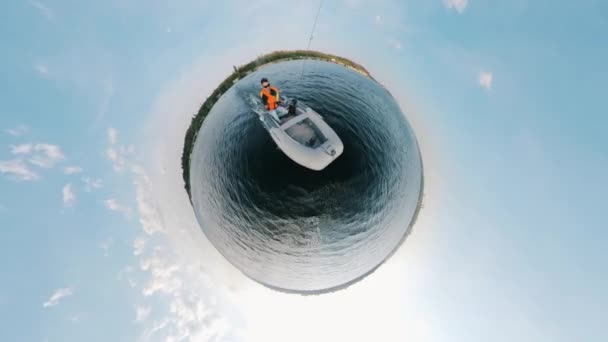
(271, 99)
(270, 95)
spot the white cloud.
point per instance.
(112, 136)
(458, 5)
(57, 296)
(71, 170)
(190, 315)
(142, 313)
(105, 245)
(193, 314)
(22, 149)
(69, 197)
(107, 92)
(91, 184)
(43, 9)
(118, 162)
(117, 154)
(46, 155)
(163, 280)
(394, 43)
(42, 68)
(486, 79)
(138, 246)
(149, 217)
(17, 131)
(18, 169)
(113, 205)
(42, 155)
(378, 19)
(127, 273)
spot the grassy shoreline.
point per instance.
(240, 72)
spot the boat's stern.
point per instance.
(332, 149)
(306, 138)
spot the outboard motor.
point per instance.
(291, 110)
(330, 150)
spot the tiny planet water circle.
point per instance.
(291, 228)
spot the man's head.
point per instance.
(265, 83)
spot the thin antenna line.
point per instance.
(312, 32)
(314, 25)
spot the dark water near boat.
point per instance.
(295, 229)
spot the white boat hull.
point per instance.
(304, 137)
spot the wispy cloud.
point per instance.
(118, 162)
(105, 245)
(117, 154)
(17, 131)
(138, 246)
(107, 92)
(112, 136)
(91, 184)
(142, 313)
(43, 155)
(43, 9)
(127, 274)
(22, 149)
(458, 5)
(57, 296)
(69, 197)
(378, 19)
(113, 205)
(71, 170)
(485, 79)
(163, 279)
(18, 170)
(192, 315)
(149, 217)
(47, 155)
(394, 43)
(42, 68)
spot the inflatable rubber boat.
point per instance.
(302, 134)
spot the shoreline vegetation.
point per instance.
(240, 72)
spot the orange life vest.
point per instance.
(272, 99)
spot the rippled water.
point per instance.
(295, 229)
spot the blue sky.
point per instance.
(507, 99)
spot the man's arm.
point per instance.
(275, 92)
(264, 99)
